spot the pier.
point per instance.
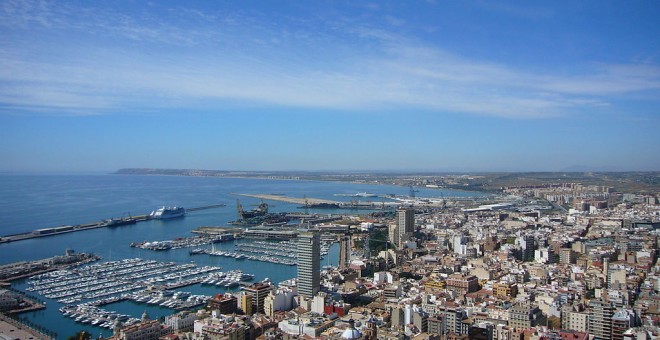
(318, 203)
(19, 270)
(207, 207)
(112, 222)
(218, 230)
(282, 198)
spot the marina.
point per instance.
(96, 316)
(259, 258)
(278, 252)
(183, 242)
(111, 279)
(179, 300)
(84, 290)
(230, 279)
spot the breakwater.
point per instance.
(23, 269)
(112, 222)
(318, 203)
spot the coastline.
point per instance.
(319, 179)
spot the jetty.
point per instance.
(112, 222)
(296, 200)
(19, 270)
(318, 203)
(184, 242)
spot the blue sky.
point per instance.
(287, 85)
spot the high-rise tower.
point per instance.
(309, 263)
(405, 222)
(344, 251)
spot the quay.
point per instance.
(14, 329)
(207, 207)
(218, 230)
(113, 222)
(286, 199)
(318, 203)
(23, 269)
(15, 301)
(184, 242)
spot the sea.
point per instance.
(29, 202)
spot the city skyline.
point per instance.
(431, 86)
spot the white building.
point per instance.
(318, 303)
(183, 321)
(383, 277)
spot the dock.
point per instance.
(323, 203)
(282, 198)
(19, 270)
(112, 222)
(207, 207)
(218, 230)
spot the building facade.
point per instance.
(344, 251)
(600, 319)
(258, 291)
(405, 225)
(309, 264)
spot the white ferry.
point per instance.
(168, 212)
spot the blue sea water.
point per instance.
(29, 202)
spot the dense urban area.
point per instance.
(547, 256)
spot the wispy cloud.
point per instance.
(141, 61)
(526, 12)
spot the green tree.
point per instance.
(554, 322)
(378, 241)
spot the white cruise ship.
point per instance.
(168, 212)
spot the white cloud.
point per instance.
(219, 58)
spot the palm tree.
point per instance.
(82, 335)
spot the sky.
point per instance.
(95, 86)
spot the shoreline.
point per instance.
(481, 191)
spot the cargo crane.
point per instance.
(261, 210)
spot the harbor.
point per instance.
(105, 195)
